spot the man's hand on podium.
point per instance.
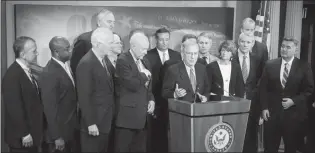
(202, 98)
(179, 92)
(265, 114)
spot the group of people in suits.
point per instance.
(112, 100)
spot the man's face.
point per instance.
(288, 49)
(190, 55)
(106, 44)
(204, 44)
(30, 53)
(108, 21)
(140, 48)
(117, 45)
(163, 41)
(246, 43)
(65, 51)
(248, 29)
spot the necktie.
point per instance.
(34, 82)
(105, 66)
(164, 57)
(244, 68)
(138, 65)
(192, 79)
(285, 75)
(205, 58)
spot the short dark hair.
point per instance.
(161, 30)
(188, 36)
(19, 44)
(292, 39)
(229, 46)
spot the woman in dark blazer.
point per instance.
(225, 76)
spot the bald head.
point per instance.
(106, 18)
(60, 48)
(139, 45)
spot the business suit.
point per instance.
(23, 109)
(60, 104)
(284, 122)
(160, 128)
(96, 99)
(132, 118)
(311, 116)
(251, 92)
(177, 74)
(81, 46)
(236, 84)
(260, 51)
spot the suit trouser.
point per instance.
(51, 148)
(24, 149)
(281, 126)
(130, 140)
(160, 132)
(91, 143)
(310, 143)
(251, 135)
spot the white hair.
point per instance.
(138, 37)
(100, 34)
(103, 13)
(242, 35)
(248, 21)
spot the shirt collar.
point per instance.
(133, 56)
(161, 52)
(97, 55)
(241, 54)
(290, 62)
(205, 55)
(59, 62)
(24, 67)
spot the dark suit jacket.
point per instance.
(23, 108)
(134, 96)
(260, 51)
(60, 101)
(177, 74)
(236, 85)
(157, 78)
(95, 93)
(80, 48)
(299, 87)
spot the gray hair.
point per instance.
(99, 34)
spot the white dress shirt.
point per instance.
(226, 76)
(241, 56)
(140, 63)
(167, 56)
(66, 67)
(282, 67)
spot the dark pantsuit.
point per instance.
(276, 127)
(129, 140)
(91, 143)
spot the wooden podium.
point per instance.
(214, 126)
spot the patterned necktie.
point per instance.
(244, 68)
(34, 82)
(105, 66)
(138, 65)
(192, 79)
(285, 75)
(205, 58)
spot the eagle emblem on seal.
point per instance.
(219, 138)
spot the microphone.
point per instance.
(226, 91)
(195, 95)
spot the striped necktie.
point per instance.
(285, 75)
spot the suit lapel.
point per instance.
(156, 54)
(252, 66)
(184, 76)
(61, 71)
(217, 69)
(277, 71)
(98, 63)
(132, 61)
(232, 78)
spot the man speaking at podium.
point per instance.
(187, 80)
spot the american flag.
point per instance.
(262, 29)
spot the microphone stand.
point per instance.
(226, 92)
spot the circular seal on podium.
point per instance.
(219, 137)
